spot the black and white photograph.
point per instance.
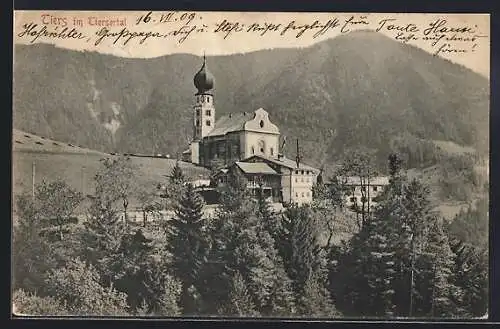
(276, 165)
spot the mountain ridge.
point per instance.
(356, 89)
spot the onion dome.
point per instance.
(203, 80)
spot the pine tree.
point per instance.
(177, 176)
(239, 302)
(267, 216)
(435, 277)
(188, 243)
(305, 261)
(316, 300)
(470, 275)
(129, 265)
(241, 243)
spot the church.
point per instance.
(247, 142)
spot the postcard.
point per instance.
(182, 164)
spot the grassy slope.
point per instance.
(77, 166)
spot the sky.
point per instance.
(461, 38)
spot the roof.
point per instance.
(229, 123)
(355, 180)
(256, 168)
(249, 121)
(285, 162)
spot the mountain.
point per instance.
(361, 88)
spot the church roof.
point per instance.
(256, 168)
(285, 162)
(229, 123)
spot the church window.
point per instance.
(272, 151)
(197, 123)
(296, 172)
(208, 99)
(208, 112)
(253, 150)
(197, 111)
(262, 146)
(208, 123)
(302, 172)
(262, 123)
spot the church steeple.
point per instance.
(204, 110)
(204, 80)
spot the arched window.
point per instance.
(261, 123)
(262, 147)
(208, 99)
(272, 151)
(253, 150)
(208, 123)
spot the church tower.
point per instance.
(204, 110)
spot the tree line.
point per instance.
(245, 260)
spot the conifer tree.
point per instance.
(239, 302)
(470, 274)
(436, 264)
(242, 244)
(177, 176)
(129, 265)
(305, 262)
(188, 243)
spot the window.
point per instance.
(272, 151)
(197, 123)
(296, 172)
(302, 172)
(296, 194)
(208, 123)
(262, 146)
(375, 188)
(197, 111)
(208, 99)
(302, 194)
(208, 112)
(253, 150)
(262, 123)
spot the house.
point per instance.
(361, 189)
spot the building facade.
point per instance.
(362, 189)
